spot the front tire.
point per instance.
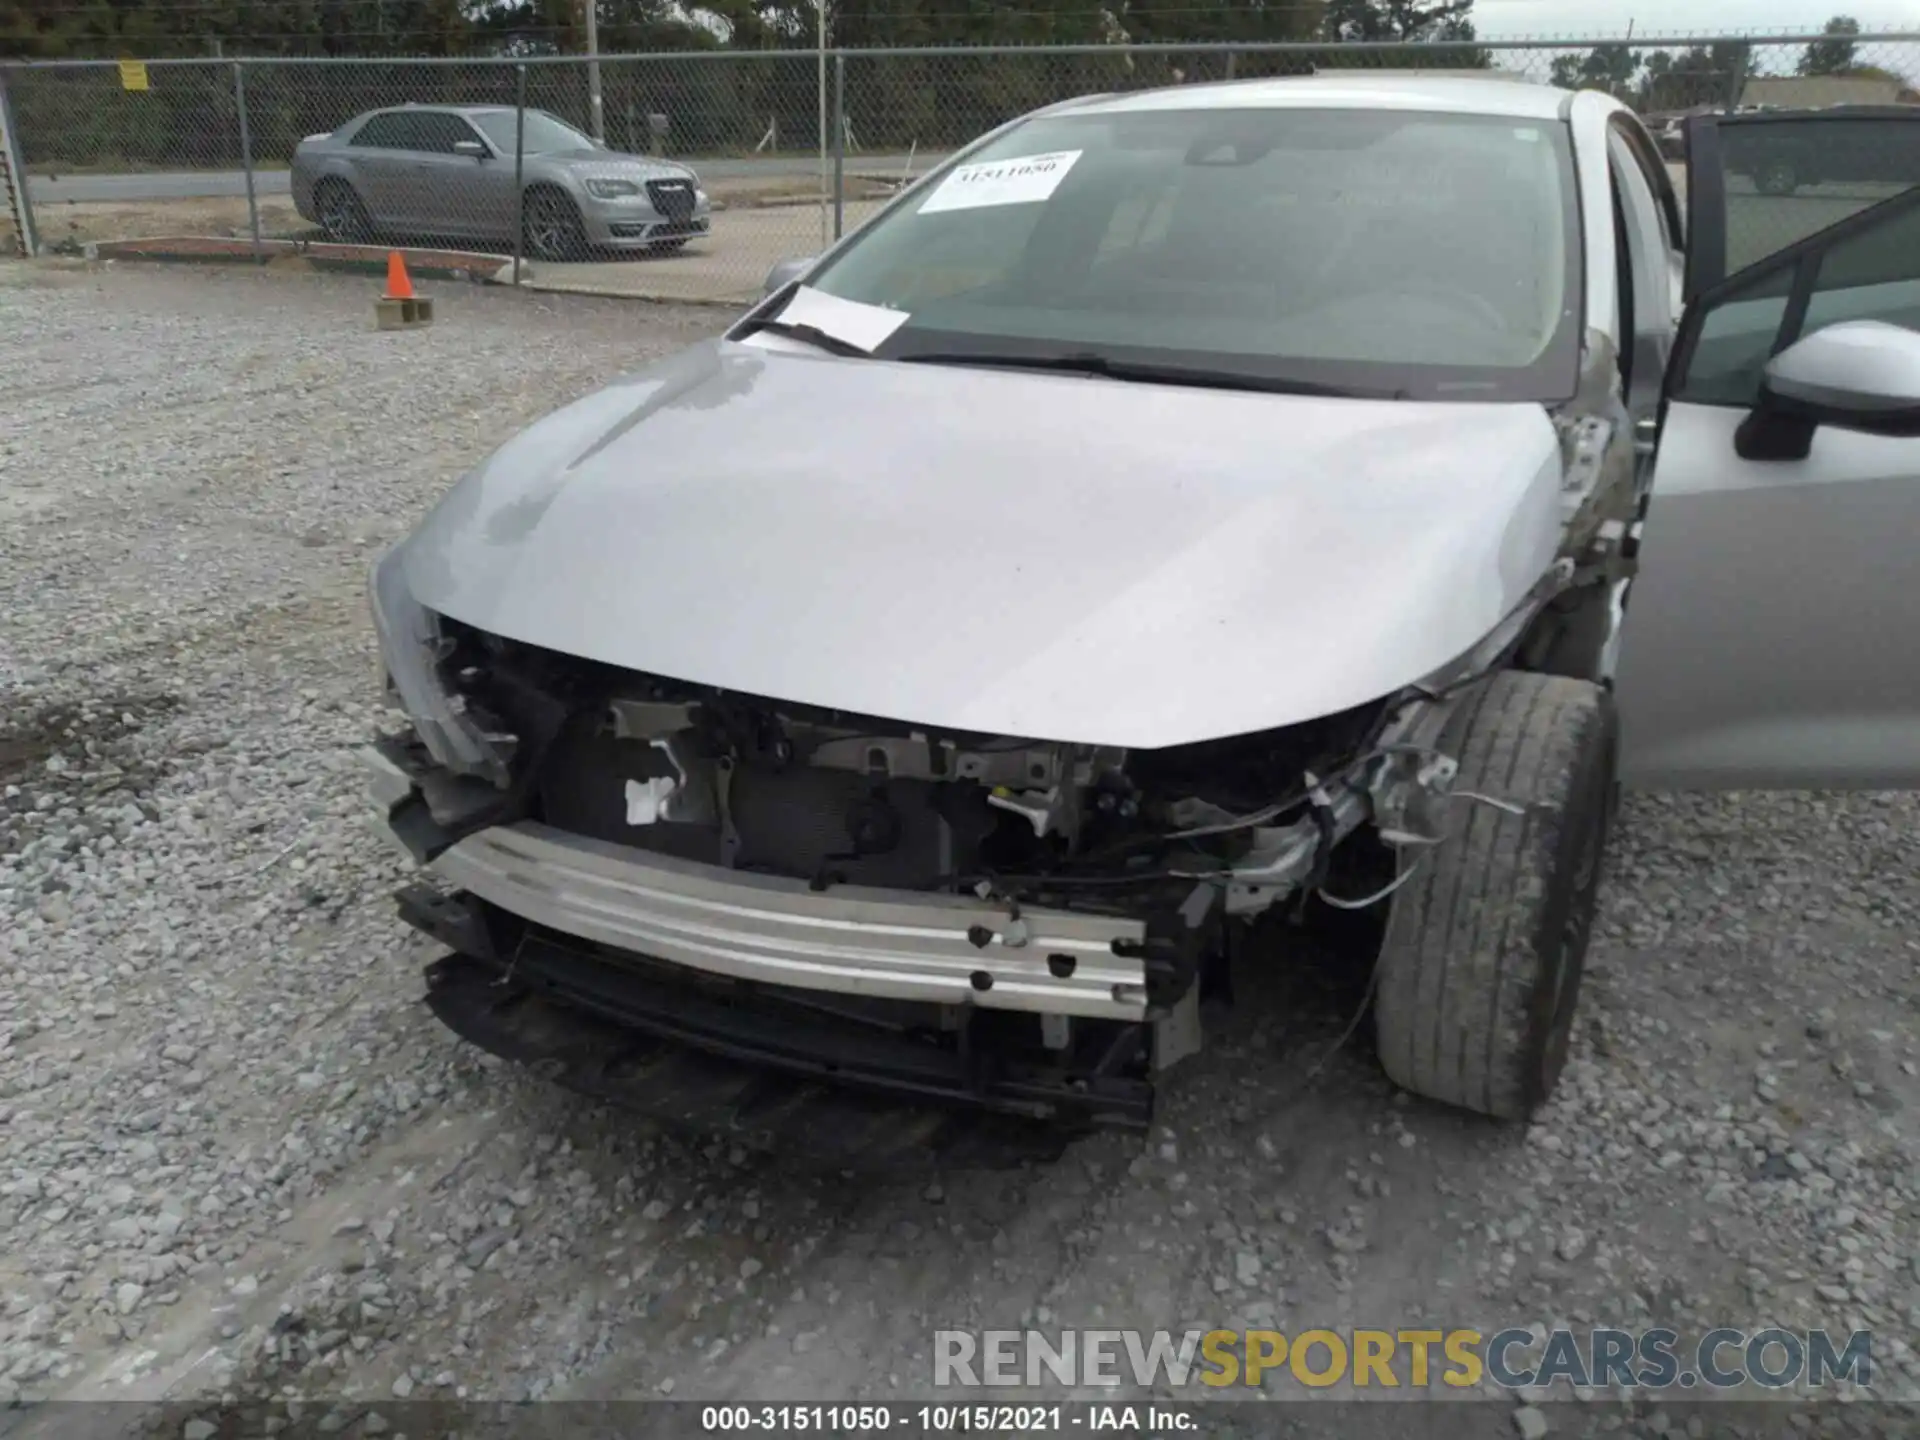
(1481, 965)
(342, 215)
(554, 229)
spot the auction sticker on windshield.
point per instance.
(1019, 181)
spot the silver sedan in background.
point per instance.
(449, 171)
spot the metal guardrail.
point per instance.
(121, 150)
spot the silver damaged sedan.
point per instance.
(1182, 521)
(449, 171)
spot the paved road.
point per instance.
(197, 184)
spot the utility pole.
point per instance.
(595, 109)
(820, 30)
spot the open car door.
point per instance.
(1772, 634)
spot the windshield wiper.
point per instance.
(812, 334)
(1086, 362)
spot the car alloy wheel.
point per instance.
(553, 228)
(342, 216)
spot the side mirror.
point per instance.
(786, 272)
(1855, 375)
(473, 149)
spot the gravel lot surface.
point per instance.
(237, 1156)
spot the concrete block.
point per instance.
(390, 314)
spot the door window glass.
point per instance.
(440, 132)
(1873, 274)
(1736, 341)
(1788, 179)
(382, 132)
(413, 131)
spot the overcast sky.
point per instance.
(1495, 18)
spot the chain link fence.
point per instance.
(690, 175)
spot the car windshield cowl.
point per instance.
(1112, 367)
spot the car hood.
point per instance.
(1038, 555)
(614, 165)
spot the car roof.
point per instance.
(1352, 90)
(413, 108)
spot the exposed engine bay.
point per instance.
(836, 799)
(1021, 927)
(1175, 846)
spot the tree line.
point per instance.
(768, 96)
(65, 29)
(1707, 75)
(765, 93)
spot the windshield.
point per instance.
(545, 133)
(1431, 255)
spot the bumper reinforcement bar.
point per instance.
(758, 1067)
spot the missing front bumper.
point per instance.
(848, 940)
(706, 996)
(936, 948)
(766, 1066)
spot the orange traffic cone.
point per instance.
(400, 308)
(399, 287)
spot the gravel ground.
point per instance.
(237, 1156)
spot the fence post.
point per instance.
(820, 118)
(839, 141)
(246, 155)
(596, 108)
(519, 149)
(13, 174)
(1740, 64)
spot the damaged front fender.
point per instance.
(411, 653)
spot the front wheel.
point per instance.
(1485, 946)
(554, 230)
(341, 214)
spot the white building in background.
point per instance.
(1805, 92)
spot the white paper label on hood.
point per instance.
(853, 321)
(1019, 181)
